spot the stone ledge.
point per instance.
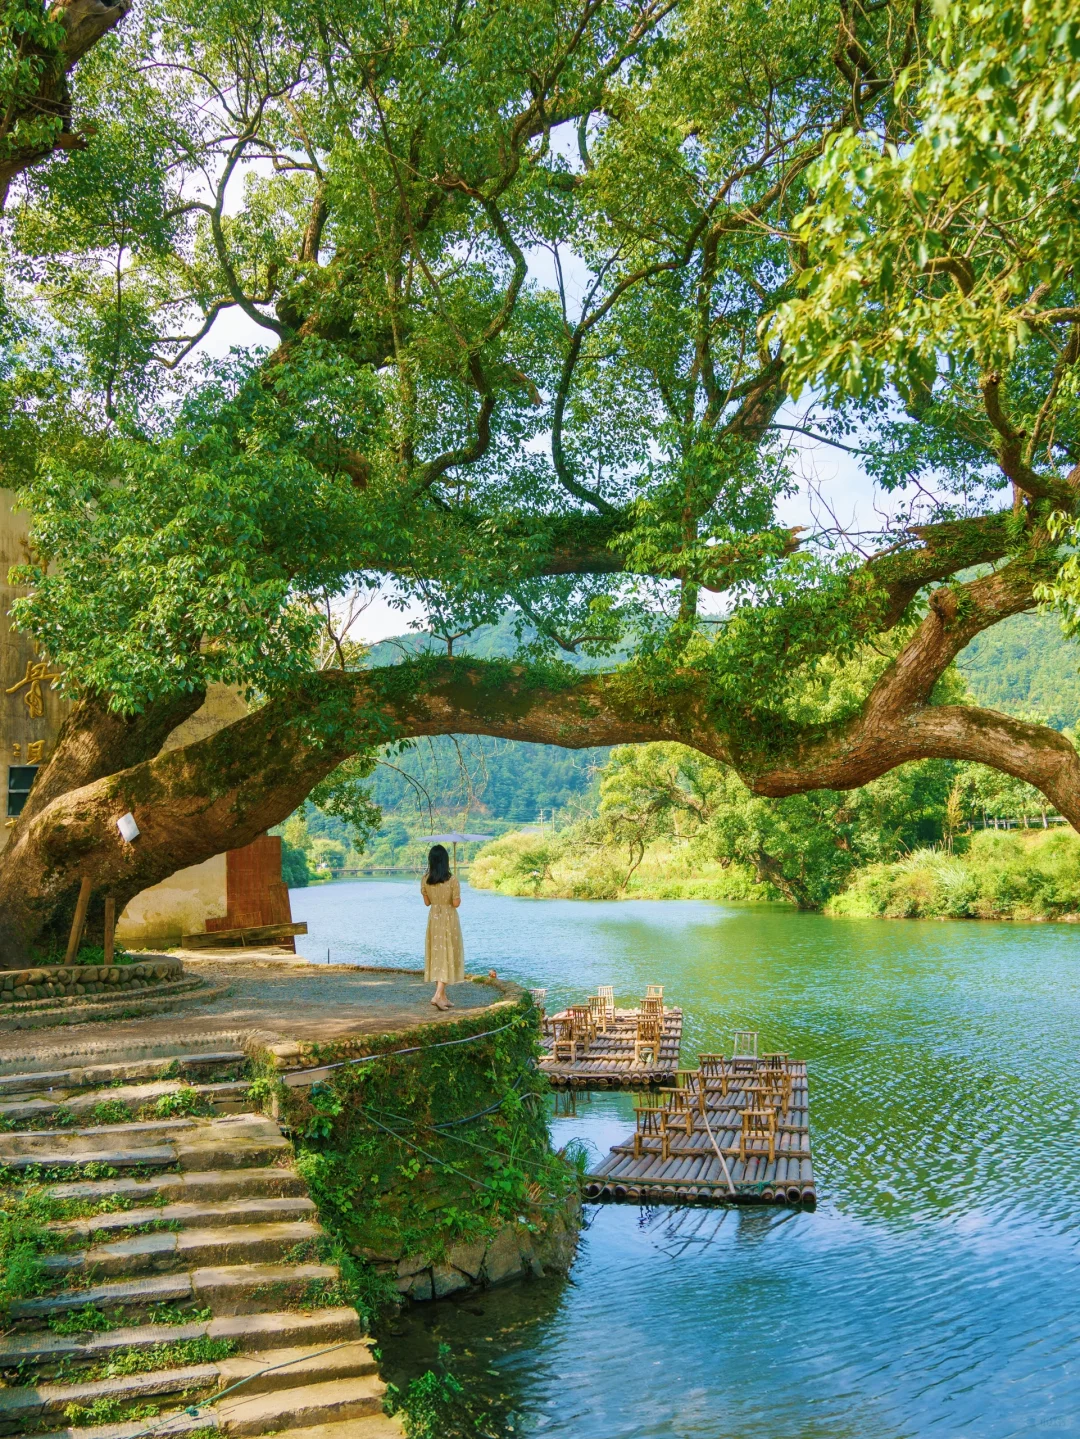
(116, 1004)
(515, 1252)
(59, 981)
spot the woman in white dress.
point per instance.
(444, 951)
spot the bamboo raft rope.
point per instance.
(693, 1173)
(608, 1062)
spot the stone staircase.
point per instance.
(189, 1295)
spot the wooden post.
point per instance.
(110, 928)
(79, 922)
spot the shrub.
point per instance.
(1032, 874)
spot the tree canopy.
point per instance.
(547, 290)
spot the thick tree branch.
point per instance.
(84, 23)
(1011, 451)
(95, 742)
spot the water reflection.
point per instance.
(933, 1291)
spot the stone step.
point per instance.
(178, 1424)
(103, 1136)
(246, 1142)
(210, 1185)
(297, 1366)
(30, 1407)
(238, 1153)
(24, 1408)
(335, 1401)
(375, 1426)
(173, 1426)
(225, 1290)
(94, 994)
(144, 1293)
(167, 1250)
(275, 1209)
(202, 1130)
(96, 1076)
(226, 1096)
(252, 1333)
(249, 1288)
(156, 1158)
(117, 1003)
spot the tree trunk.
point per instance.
(219, 793)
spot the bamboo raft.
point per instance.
(638, 1172)
(607, 1061)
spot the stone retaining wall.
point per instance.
(515, 1252)
(56, 981)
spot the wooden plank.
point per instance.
(260, 934)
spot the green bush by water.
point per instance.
(414, 1152)
(437, 1406)
(1022, 875)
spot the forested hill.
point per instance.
(1023, 666)
(499, 778)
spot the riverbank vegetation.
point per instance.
(1023, 875)
(411, 1156)
(937, 837)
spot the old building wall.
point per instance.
(31, 714)
(31, 710)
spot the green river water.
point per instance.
(936, 1288)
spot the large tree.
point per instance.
(541, 285)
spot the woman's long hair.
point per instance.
(438, 864)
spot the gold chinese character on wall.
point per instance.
(35, 751)
(37, 672)
(16, 754)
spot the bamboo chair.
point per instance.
(654, 991)
(653, 1009)
(606, 993)
(745, 1045)
(563, 1036)
(599, 1014)
(713, 1069)
(689, 1083)
(584, 1029)
(679, 1108)
(761, 1094)
(758, 1133)
(649, 1125)
(647, 1040)
(778, 1083)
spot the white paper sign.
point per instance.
(129, 830)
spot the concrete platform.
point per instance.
(280, 998)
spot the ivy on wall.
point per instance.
(409, 1153)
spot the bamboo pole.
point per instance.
(82, 904)
(110, 928)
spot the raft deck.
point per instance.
(693, 1174)
(608, 1062)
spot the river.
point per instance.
(936, 1288)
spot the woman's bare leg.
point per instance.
(439, 999)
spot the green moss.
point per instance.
(390, 1166)
(24, 1241)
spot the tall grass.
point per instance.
(1020, 875)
